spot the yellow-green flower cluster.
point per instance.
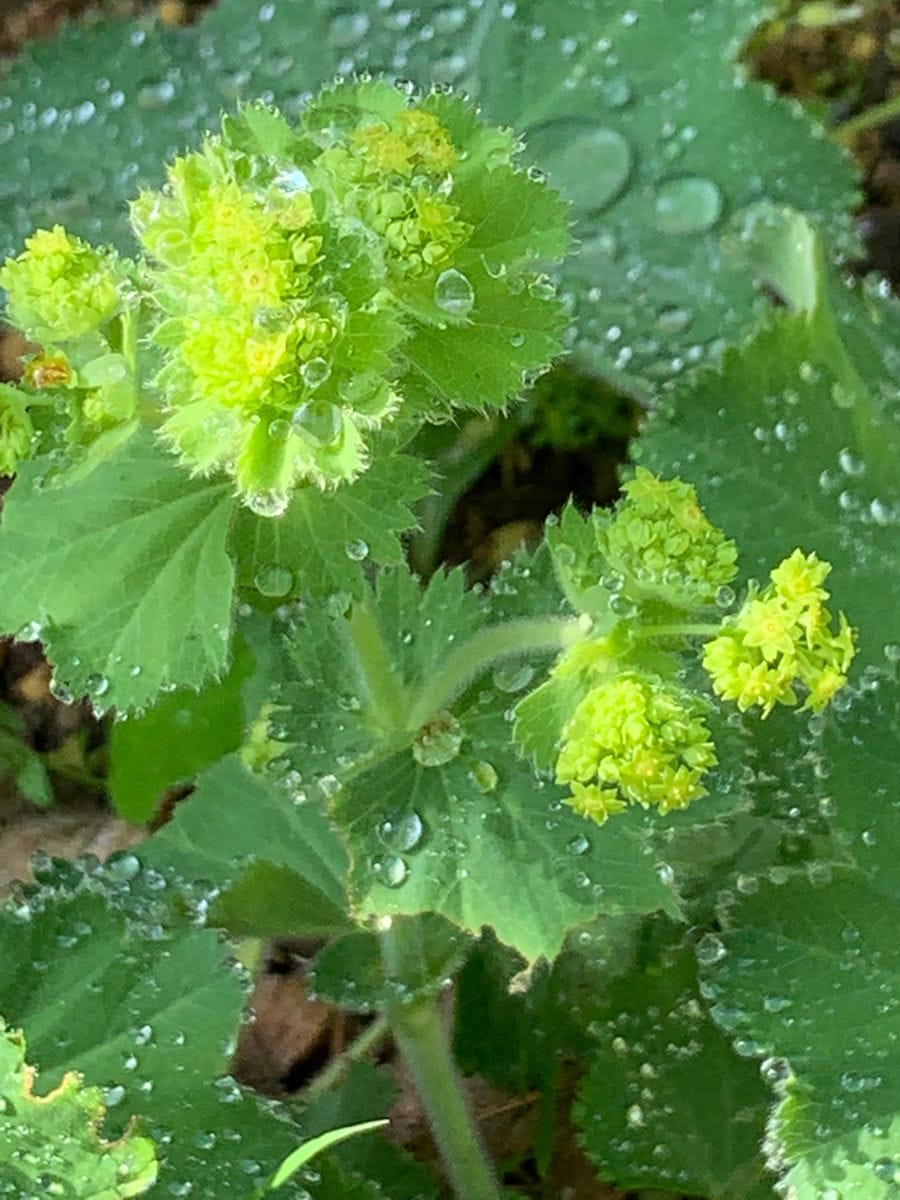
(783, 637)
(59, 287)
(401, 157)
(273, 324)
(664, 546)
(635, 739)
(249, 316)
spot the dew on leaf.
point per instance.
(279, 430)
(512, 677)
(391, 871)
(268, 504)
(484, 776)
(578, 845)
(357, 550)
(438, 741)
(453, 293)
(315, 372)
(402, 833)
(590, 165)
(673, 319)
(710, 949)
(689, 204)
(348, 29)
(319, 422)
(274, 580)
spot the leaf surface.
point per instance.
(124, 575)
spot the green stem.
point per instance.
(487, 647)
(330, 1076)
(386, 693)
(870, 118)
(420, 1035)
(701, 629)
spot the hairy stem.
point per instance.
(510, 640)
(330, 1076)
(420, 1035)
(701, 629)
(387, 694)
(869, 118)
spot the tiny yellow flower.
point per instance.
(597, 803)
(771, 626)
(800, 577)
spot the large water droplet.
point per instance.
(589, 165)
(391, 871)
(316, 371)
(453, 293)
(357, 550)
(689, 204)
(512, 676)
(484, 776)
(319, 422)
(268, 504)
(402, 833)
(274, 580)
(348, 28)
(438, 741)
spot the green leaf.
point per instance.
(106, 987)
(807, 967)
(475, 836)
(266, 900)
(666, 1102)
(171, 742)
(52, 1142)
(652, 186)
(303, 1154)
(488, 357)
(320, 544)
(234, 816)
(794, 442)
(124, 575)
(807, 978)
(426, 953)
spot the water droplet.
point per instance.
(402, 833)
(316, 371)
(512, 676)
(97, 686)
(689, 204)
(274, 580)
(279, 430)
(438, 741)
(268, 504)
(710, 949)
(673, 319)
(589, 165)
(774, 1070)
(484, 776)
(357, 550)
(391, 871)
(348, 29)
(453, 293)
(123, 867)
(578, 845)
(319, 422)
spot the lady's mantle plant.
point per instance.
(226, 414)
